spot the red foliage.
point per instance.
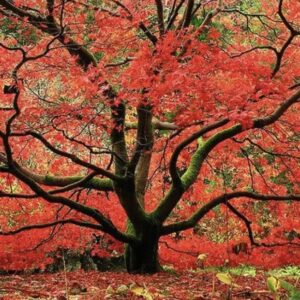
(68, 71)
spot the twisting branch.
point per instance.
(222, 199)
(50, 26)
(250, 231)
(46, 225)
(62, 181)
(106, 224)
(245, 220)
(173, 162)
(287, 24)
(178, 188)
(293, 34)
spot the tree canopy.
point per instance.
(173, 115)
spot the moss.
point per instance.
(190, 176)
(95, 183)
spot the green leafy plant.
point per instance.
(288, 271)
(274, 285)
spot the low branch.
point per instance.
(46, 225)
(250, 231)
(95, 214)
(97, 184)
(222, 199)
(245, 220)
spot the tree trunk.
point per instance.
(143, 258)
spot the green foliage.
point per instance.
(24, 36)
(243, 270)
(274, 285)
(293, 292)
(288, 271)
(225, 278)
(98, 55)
(281, 179)
(250, 5)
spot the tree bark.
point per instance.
(142, 258)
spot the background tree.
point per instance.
(158, 112)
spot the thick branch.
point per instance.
(190, 176)
(125, 189)
(156, 124)
(63, 181)
(144, 138)
(200, 213)
(173, 162)
(178, 188)
(141, 159)
(50, 26)
(188, 13)
(118, 139)
(123, 238)
(160, 16)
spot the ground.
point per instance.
(188, 285)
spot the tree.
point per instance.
(170, 108)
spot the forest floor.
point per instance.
(188, 285)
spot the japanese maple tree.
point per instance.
(140, 119)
